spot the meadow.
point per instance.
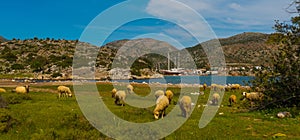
(41, 115)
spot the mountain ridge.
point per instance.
(53, 58)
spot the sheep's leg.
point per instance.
(116, 101)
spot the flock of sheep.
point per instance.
(62, 91)
(250, 96)
(163, 99)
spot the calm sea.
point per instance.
(242, 80)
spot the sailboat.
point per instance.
(173, 71)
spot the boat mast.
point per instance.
(168, 61)
(178, 60)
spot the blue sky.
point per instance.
(68, 19)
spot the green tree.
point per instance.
(17, 66)
(281, 82)
(38, 63)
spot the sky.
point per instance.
(100, 21)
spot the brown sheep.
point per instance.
(232, 100)
(113, 92)
(22, 89)
(169, 95)
(204, 86)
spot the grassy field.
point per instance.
(40, 115)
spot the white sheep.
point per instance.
(64, 91)
(185, 104)
(162, 103)
(169, 95)
(247, 88)
(2, 90)
(129, 89)
(216, 87)
(232, 100)
(215, 99)
(252, 96)
(22, 89)
(120, 97)
(158, 93)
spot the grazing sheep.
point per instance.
(247, 88)
(22, 89)
(215, 99)
(204, 86)
(252, 96)
(113, 92)
(120, 97)
(2, 90)
(64, 91)
(169, 95)
(235, 86)
(232, 100)
(162, 103)
(216, 87)
(158, 93)
(129, 89)
(185, 104)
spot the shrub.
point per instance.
(6, 121)
(281, 80)
(3, 103)
(17, 98)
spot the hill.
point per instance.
(241, 49)
(49, 58)
(2, 39)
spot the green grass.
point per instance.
(42, 116)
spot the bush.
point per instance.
(6, 121)
(17, 67)
(281, 80)
(17, 98)
(3, 103)
(57, 74)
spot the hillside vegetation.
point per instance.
(50, 58)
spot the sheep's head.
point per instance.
(244, 95)
(156, 114)
(70, 94)
(113, 93)
(27, 88)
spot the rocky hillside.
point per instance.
(2, 39)
(241, 49)
(49, 58)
